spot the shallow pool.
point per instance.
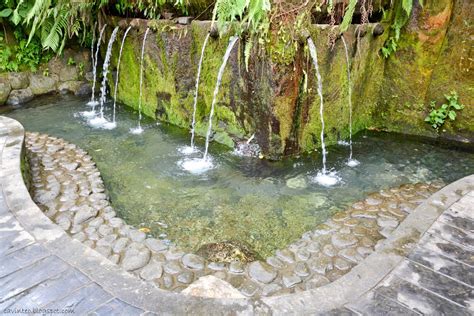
(265, 204)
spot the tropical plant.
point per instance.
(437, 117)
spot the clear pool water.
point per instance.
(265, 204)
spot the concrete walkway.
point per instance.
(425, 267)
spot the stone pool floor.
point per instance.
(42, 268)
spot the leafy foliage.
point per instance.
(403, 11)
(438, 116)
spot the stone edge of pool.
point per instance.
(362, 278)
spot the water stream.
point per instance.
(196, 94)
(350, 162)
(100, 121)
(199, 165)
(93, 102)
(324, 177)
(139, 129)
(118, 73)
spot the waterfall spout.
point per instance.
(196, 92)
(324, 177)
(118, 72)
(350, 162)
(200, 165)
(139, 129)
(93, 102)
(101, 121)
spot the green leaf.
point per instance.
(6, 13)
(452, 115)
(346, 21)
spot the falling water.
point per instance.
(93, 102)
(203, 164)
(350, 162)
(324, 177)
(101, 121)
(139, 129)
(232, 42)
(196, 93)
(118, 72)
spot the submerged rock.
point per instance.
(227, 251)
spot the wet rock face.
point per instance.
(67, 187)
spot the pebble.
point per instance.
(83, 214)
(216, 266)
(343, 240)
(341, 264)
(301, 269)
(261, 272)
(135, 259)
(155, 245)
(186, 277)
(151, 271)
(120, 244)
(249, 288)
(285, 255)
(193, 261)
(290, 280)
(136, 235)
(236, 267)
(275, 262)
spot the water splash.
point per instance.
(232, 42)
(101, 121)
(196, 93)
(118, 72)
(201, 165)
(324, 177)
(139, 129)
(350, 162)
(93, 102)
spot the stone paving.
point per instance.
(42, 267)
(68, 187)
(437, 277)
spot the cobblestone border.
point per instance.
(133, 291)
(108, 275)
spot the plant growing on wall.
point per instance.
(437, 117)
(402, 13)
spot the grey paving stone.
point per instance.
(30, 276)
(12, 241)
(447, 249)
(453, 234)
(376, 304)
(418, 299)
(117, 307)
(84, 300)
(340, 312)
(439, 263)
(463, 223)
(21, 258)
(52, 289)
(435, 282)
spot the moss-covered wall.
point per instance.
(435, 56)
(279, 103)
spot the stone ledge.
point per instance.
(126, 287)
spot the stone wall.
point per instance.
(279, 104)
(434, 58)
(276, 102)
(64, 74)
